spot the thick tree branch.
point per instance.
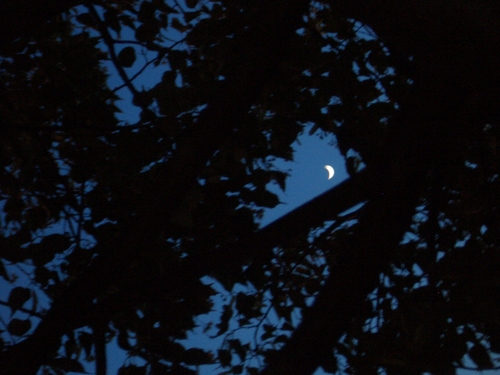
(99, 333)
(382, 223)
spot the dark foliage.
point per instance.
(139, 139)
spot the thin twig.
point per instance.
(108, 40)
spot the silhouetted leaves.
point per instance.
(50, 245)
(191, 3)
(224, 357)
(196, 357)
(17, 298)
(226, 315)
(86, 19)
(3, 272)
(67, 365)
(132, 370)
(126, 57)
(86, 341)
(77, 189)
(480, 356)
(19, 327)
(111, 17)
(248, 305)
(238, 348)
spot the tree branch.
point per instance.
(99, 333)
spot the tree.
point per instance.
(116, 225)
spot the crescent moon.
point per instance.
(330, 170)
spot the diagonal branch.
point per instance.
(382, 224)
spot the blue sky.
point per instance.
(308, 177)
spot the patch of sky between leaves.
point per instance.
(308, 177)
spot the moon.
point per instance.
(330, 170)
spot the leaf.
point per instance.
(127, 57)
(192, 3)
(3, 272)
(17, 298)
(176, 24)
(247, 305)
(281, 338)
(196, 357)
(287, 326)
(352, 164)
(37, 217)
(268, 332)
(85, 19)
(146, 12)
(189, 16)
(86, 342)
(127, 20)
(42, 276)
(238, 348)
(280, 178)
(122, 340)
(146, 33)
(132, 370)
(264, 198)
(329, 364)
(112, 20)
(225, 357)
(314, 129)
(177, 60)
(163, 7)
(18, 327)
(70, 347)
(227, 313)
(67, 364)
(480, 356)
(495, 344)
(49, 247)
(13, 209)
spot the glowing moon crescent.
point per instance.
(330, 170)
